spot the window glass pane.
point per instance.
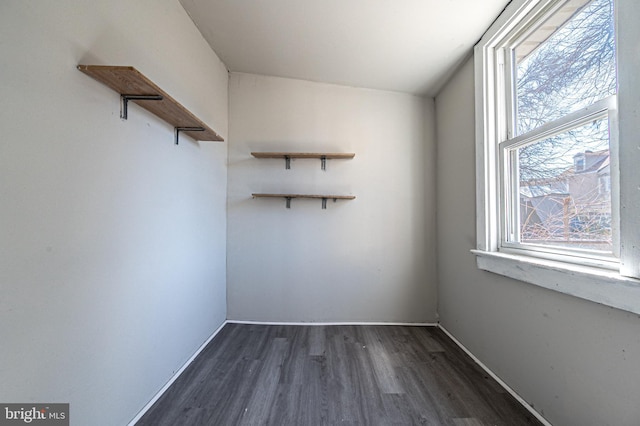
(566, 64)
(564, 189)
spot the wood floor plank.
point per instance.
(467, 422)
(262, 397)
(317, 340)
(292, 368)
(365, 404)
(328, 375)
(428, 400)
(380, 348)
(314, 397)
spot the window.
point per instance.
(579, 162)
(556, 103)
(604, 184)
(552, 185)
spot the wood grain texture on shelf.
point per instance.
(127, 80)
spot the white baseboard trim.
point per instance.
(174, 377)
(513, 393)
(409, 324)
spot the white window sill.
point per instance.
(597, 285)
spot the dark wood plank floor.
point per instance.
(330, 375)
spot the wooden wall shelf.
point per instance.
(322, 156)
(134, 86)
(289, 197)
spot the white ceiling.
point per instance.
(401, 45)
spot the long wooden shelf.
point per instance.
(323, 156)
(128, 81)
(289, 197)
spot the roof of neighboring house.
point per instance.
(594, 160)
(541, 186)
(605, 166)
(595, 166)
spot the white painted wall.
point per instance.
(112, 239)
(575, 361)
(370, 259)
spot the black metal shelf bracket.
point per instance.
(323, 162)
(187, 129)
(324, 202)
(288, 202)
(124, 102)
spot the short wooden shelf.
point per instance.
(135, 87)
(322, 156)
(332, 197)
(328, 155)
(289, 197)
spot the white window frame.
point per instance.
(615, 284)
